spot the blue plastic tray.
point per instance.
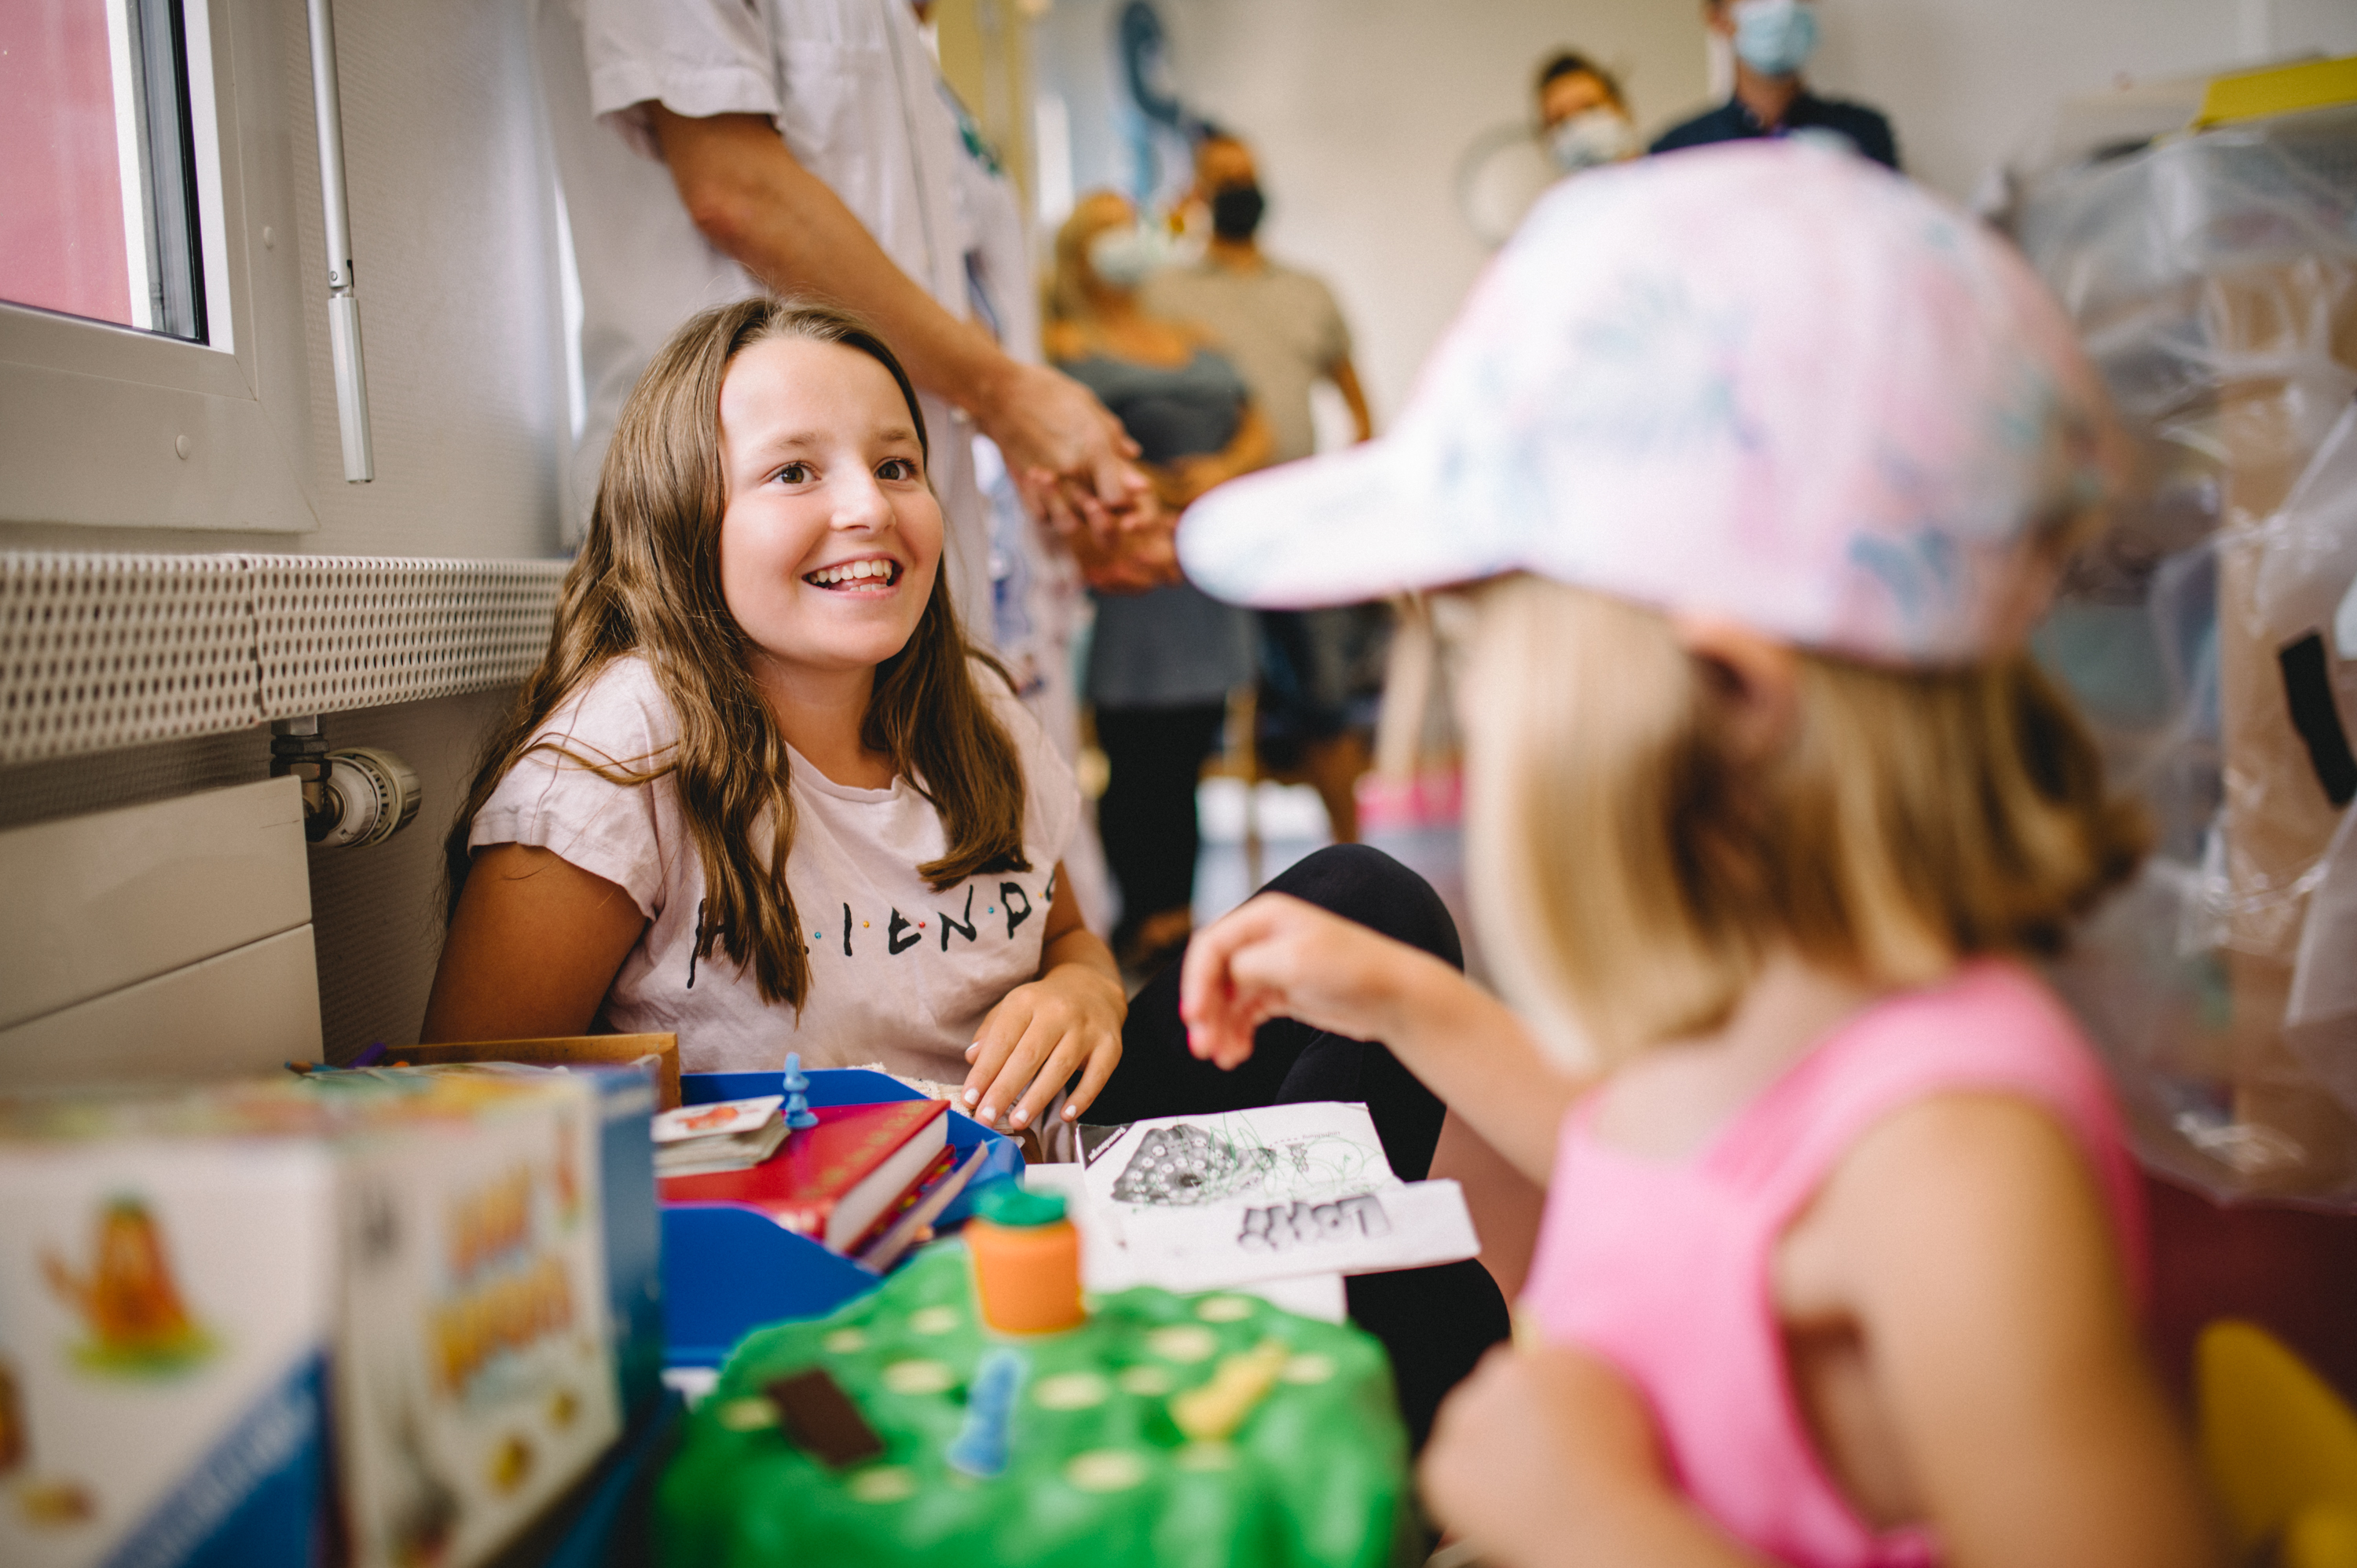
(727, 1268)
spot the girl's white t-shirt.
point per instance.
(899, 973)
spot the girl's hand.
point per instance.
(1066, 1021)
(1278, 957)
(1548, 1456)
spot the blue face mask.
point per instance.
(1775, 37)
(1588, 140)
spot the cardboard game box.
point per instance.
(204, 1298)
(166, 1309)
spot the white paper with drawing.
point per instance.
(1201, 1202)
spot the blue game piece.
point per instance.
(980, 1446)
(798, 1111)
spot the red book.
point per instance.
(833, 1182)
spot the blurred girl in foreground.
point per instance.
(1759, 464)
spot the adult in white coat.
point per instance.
(801, 146)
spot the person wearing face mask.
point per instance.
(1285, 332)
(1582, 119)
(1278, 322)
(1773, 39)
(1161, 663)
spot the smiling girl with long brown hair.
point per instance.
(761, 792)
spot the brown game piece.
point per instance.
(821, 1419)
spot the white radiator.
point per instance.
(100, 651)
(160, 942)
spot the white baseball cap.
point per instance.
(1769, 381)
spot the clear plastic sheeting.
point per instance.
(2214, 278)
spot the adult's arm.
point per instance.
(754, 201)
(1249, 449)
(1345, 377)
(532, 947)
(1879, 141)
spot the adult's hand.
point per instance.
(1186, 478)
(1045, 422)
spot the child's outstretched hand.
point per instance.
(1278, 957)
(1547, 1457)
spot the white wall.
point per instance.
(1360, 109)
(455, 252)
(1968, 84)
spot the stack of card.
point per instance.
(726, 1135)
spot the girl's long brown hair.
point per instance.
(647, 582)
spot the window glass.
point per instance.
(98, 192)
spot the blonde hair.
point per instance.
(1631, 871)
(647, 582)
(1067, 296)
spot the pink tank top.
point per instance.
(1662, 1266)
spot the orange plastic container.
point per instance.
(1027, 1263)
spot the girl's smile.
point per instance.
(867, 575)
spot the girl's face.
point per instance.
(832, 539)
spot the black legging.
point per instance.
(1436, 1322)
(1146, 816)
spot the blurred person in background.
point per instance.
(1773, 39)
(1160, 663)
(1279, 324)
(1584, 120)
(1319, 668)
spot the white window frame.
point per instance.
(128, 169)
(110, 427)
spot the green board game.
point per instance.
(1096, 1468)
